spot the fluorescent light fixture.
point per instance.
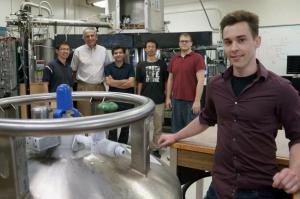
(101, 4)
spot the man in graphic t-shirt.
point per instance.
(152, 76)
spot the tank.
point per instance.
(66, 175)
(99, 177)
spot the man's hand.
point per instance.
(166, 140)
(168, 103)
(196, 107)
(108, 80)
(287, 180)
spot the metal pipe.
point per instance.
(214, 29)
(33, 127)
(61, 22)
(47, 3)
(196, 10)
(35, 5)
(65, 22)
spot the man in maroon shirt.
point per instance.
(185, 84)
(248, 103)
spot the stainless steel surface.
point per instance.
(40, 112)
(84, 175)
(140, 150)
(145, 15)
(41, 144)
(99, 177)
(134, 9)
(43, 52)
(14, 183)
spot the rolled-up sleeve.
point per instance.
(288, 112)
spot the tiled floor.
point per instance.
(191, 193)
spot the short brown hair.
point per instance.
(117, 48)
(185, 34)
(241, 16)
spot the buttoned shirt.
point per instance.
(245, 156)
(184, 71)
(89, 63)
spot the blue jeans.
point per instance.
(182, 114)
(265, 193)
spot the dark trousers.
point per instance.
(264, 193)
(113, 134)
(123, 137)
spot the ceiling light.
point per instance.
(101, 4)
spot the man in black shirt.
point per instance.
(59, 71)
(119, 76)
(152, 76)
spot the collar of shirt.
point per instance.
(115, 65)
(262, 72)
(89, 48)
(179, 55)
(59, 62)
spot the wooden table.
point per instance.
(197, 152)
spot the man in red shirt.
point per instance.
(185, 84)
(248, 103)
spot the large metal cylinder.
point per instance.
(84, 175)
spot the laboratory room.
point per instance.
(149, 99)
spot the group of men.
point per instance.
(92, 68)
(247, 102)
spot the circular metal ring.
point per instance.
(41, 127)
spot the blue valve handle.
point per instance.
(64, 102)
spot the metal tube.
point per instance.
(208, 20)
(32, 127)
(47, 3)
(61, 22)
(37, 6)
(65, 22)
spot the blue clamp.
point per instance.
(64, 102)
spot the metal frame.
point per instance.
(11, 128)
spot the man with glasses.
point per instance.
(88, 63)
(185, 84)
(59, 71)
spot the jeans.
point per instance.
(182, 114)
(264, 193)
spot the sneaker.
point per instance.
(156, 153)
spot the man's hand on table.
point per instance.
(166, 140)
(287, 180)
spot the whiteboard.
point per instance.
(276, 44)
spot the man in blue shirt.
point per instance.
(120, 77)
